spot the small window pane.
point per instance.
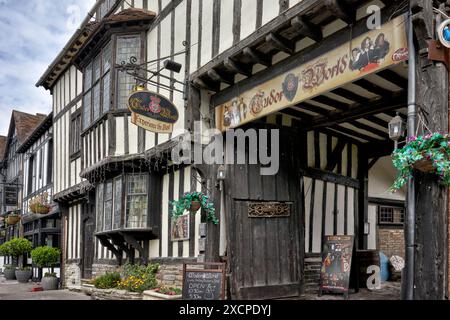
(117, 203)
(100, 207)
(107, 58)
(108, 205)
(88, 77)
(106, 92)
(87, 110)
(137, 201)
(97, 67)
(96, 101)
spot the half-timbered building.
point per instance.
(21, 126)
(316, 71)
(40, 228)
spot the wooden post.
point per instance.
(430, 272)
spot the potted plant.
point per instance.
(12, 219)
(193, 201)
(40, 204)
(428, 153)
(47, 257)
(9, 271)
(17, 248)
(163, 293)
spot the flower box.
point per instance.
(153, 295)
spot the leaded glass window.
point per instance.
(127, 47)
(100, 207)
(108, 205)
(136, 201)
(117, 203)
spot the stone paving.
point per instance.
(388, 291)
(13, 290)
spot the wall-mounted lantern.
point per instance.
(221, 173)
(396, 129)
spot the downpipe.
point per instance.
(411, 194)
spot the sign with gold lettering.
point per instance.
(368, 53)
(152, 111)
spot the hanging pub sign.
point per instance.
(10, 196)
(366, 54)
(152, 111)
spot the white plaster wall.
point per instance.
(381, 177)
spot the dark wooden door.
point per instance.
(88, 222)
(266, 254)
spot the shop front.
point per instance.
(330, 104)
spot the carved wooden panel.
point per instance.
(269, 209)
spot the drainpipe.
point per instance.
(411, 205)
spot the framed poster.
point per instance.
(180, 228)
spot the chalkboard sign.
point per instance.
(204, 284)
(336, 264)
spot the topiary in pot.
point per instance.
(17, 248)
(9, 270)
(47, 257)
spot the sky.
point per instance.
(33, 32)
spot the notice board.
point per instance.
(336, 264)
(204, 283)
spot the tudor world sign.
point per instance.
(152, 111)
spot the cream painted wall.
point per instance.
(381, 177)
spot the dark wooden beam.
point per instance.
(219, 76)
(335, 155)
(350, 95)
(281, 43)
(394, 78)
(208, 85)
(372, 162)
(342, 10)
(330, 177)
(313, 108)
(297, 114)
(377, 121)
(258, 57)
(307, 29)
(353, 133)
(370, 129)
(372, 87)
(237, 67)
(361, 111)
(331, 102)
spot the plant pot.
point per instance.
(152, 295)
(195, 206)
(23, 276)
(12, 220)
(49, 283)
(424, 165)
(10, 274)
(42, 209)
(32, 208)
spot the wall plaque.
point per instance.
(269, 209)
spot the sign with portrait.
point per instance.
(152, 111)
(368, 53)
(180, 228)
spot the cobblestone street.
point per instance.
(13, 290)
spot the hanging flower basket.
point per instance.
(40, 204)
(12, 219)
(195, 206)
(192, 202)
(429, 153)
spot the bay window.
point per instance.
(114, 198)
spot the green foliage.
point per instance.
(9, 267)
(24, 268)
(184, 203)
(168, 291)
(17, 247)
(433, 147)
(45, 257)
(110, 280)
(50, 275)
(137, 278)
(4, 250)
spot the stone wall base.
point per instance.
(72, 275)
